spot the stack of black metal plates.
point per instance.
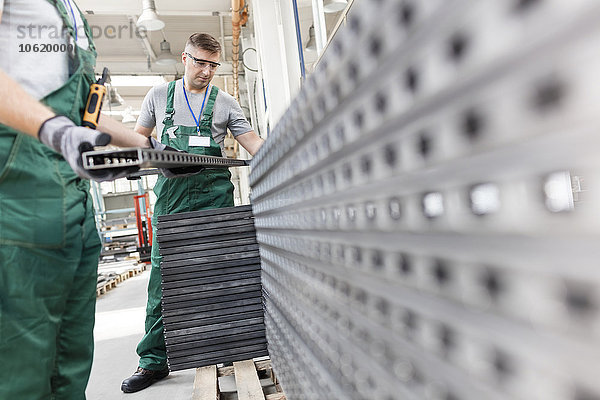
(211, 287)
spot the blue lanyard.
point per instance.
(73, 15)
(196, 120)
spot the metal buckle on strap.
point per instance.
(168, 116)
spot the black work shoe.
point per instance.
(142, 378)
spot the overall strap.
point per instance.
(170, 110)
(64, 14)
(88, 32)
(211, 102)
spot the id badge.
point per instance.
(199, 141)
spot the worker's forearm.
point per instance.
(254, 146)
(121, 135)
(250, 141)
(18, 109)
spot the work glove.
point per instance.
(70, 140)
(178, 172)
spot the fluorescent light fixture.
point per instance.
(136, 80)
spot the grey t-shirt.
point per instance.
(34, 40)
(227, 113)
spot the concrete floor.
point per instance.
(119, 326)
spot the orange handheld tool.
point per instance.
(91, 116)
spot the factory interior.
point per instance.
(412, 210)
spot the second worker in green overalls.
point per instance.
(192, 115)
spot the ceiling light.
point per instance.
(331, 6)
(311, 45)
(165, 57)
(149, 19)
(114, 97)
(128, 116)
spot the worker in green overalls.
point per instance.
(192, 115)
(49, 245)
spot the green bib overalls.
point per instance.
(175, 195)
(49, 250)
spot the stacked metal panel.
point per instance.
(211, 288)
(427, 208)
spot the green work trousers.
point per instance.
(209, 189)
(47, 306)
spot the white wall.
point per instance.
(279, 62)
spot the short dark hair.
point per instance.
(204, 41)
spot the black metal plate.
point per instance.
(211, 287)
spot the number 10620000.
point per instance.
(45, 48)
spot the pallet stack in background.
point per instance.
(211, 286)
(427, 208)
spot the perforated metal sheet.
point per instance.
(427, 209)
(142, 157)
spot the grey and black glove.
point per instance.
(70, 140)
(178, 172)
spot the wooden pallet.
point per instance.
(104, 287)
(119, 226)
(248, 384)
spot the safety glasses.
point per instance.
(202, 64)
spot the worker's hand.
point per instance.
(70, 140)
(179, 172)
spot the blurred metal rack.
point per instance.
(418, 232)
